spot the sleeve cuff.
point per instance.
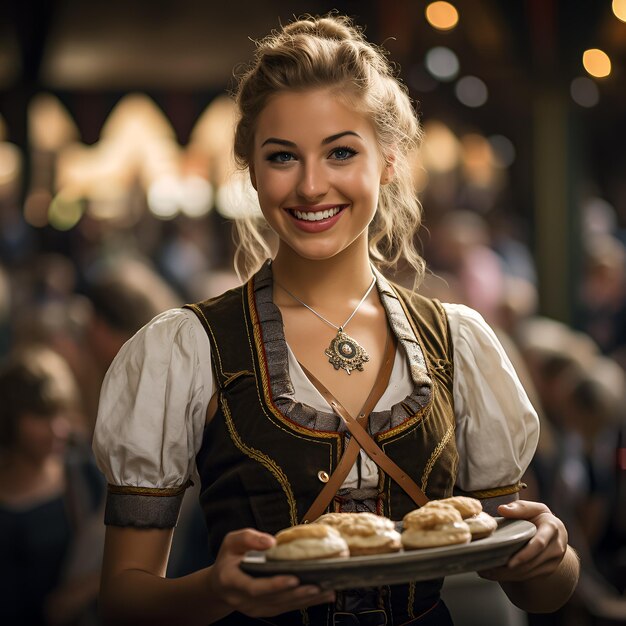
(143, 507)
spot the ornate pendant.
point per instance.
(345, 353)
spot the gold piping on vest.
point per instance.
(435, 455)
(411, 604)
(198, 310)
(264, 460)
(158, 492)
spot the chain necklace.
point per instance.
(344, 352)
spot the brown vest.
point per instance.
(262, 452)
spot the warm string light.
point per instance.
(442, 15)
(597, 62)
(619, 9)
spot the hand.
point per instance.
(258, 597)
(542, 555)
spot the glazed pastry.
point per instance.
(365, 533)
(307, 541)
(481, 524)
(430, 527)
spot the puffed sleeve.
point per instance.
(151, 418)
(497, 428)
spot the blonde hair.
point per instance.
(329, 51)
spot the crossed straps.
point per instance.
(361, 439)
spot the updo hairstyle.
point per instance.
(330, 52)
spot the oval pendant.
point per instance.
(346, 353)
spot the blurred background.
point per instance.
(117, 200)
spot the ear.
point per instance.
(252, 176)
(389, 170)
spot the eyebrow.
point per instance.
(291, 144)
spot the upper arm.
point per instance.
(129, 548)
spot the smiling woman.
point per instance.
(244, 386)
(315, 165)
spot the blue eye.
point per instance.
(281, 157)
(342, 153)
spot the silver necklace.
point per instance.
(344, 352)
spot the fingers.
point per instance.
(258, 597)
(240, 541)
(550, 541)
(522, 509)
(542, 554)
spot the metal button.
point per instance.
(323, 476)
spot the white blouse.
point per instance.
(155, 395)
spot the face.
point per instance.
(317, 168)
(39, 436)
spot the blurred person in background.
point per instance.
(325, 129)
(579, 474)
(5, 311)
(603, 294)
(461, 255)
(49, 489)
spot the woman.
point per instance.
(325, 130)
(49, 490)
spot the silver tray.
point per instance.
(400, 567)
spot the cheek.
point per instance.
(361, 184)
(33, 434)
(272, 187)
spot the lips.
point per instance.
(317, 213)
(316, 219)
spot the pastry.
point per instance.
(481, 524)
(365, 533)
(430, 527)
(307, 541)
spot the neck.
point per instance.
(343, 278)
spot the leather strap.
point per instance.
(361, 439)
(351, 452)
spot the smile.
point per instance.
(316, 216)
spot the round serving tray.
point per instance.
(400, 567)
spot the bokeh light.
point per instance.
(36, 207)
(440, 149)
(471, 91)
(619, 9)
(442, 63)
(65, 210)
(597, 62)
(503, 150)
(163, 198)
(584, 92)
(442, 15)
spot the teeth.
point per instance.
(316, 216)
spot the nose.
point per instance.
(313, 182)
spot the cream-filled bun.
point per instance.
(481, 524)
(365, 533)
(430, 527)
(307, 541)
